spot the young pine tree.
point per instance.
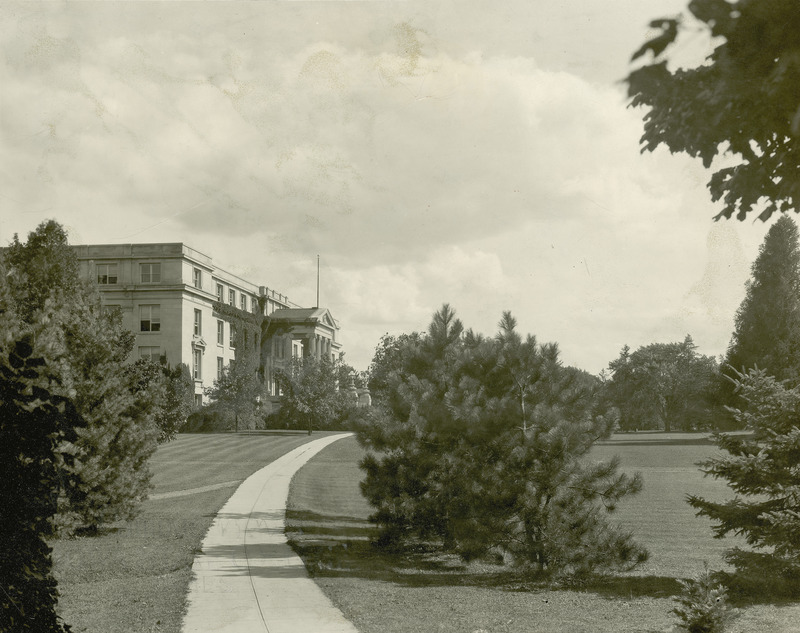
(762, 470)
(480, 446)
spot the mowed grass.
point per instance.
(134, 576)
(421, 592)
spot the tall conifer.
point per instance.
(767, 326)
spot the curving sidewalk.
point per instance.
(247, 579)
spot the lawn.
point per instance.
(419, 593)
(134, 576)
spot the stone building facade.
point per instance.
(171, 296)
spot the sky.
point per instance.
(474, 153)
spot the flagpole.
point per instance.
(317, 282)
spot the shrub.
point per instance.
(704, 607)
(33, 424)
(478, 446)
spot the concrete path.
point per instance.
(247, 579)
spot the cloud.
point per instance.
(386, 154)
(428, 155)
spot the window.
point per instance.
(219, 367)
(106, 273)
(220, 293)
(198, 278)
(220, 332)
(231, 296)
(150, 318)
(243, 300)
(150, 273)
(233, 336)
(198, 400)
(198, 322)
(150, 352)
(197, 358)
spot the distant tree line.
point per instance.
(671, 387)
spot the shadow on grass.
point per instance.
(633, 587)
(656, 441)
(341, 547)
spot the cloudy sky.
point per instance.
(475, 153)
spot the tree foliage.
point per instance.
(480, 445)
(741, 103)
(88, 351)
(236, 396)
(387, 357)
(169, 391)
(312, 396)
(702, 605)
(36, 426)
(767, 326)
(665, 386)
(761, 469)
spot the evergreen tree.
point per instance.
(762, 471)
(42, 268)
(88, 350)
(767, 326)
(478, 445)
(120, 435)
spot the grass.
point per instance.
(134, 576)
(422, 592)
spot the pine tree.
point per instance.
(88, 350)
(767, 329)
(120, 435)
(762, 471)
(479, 446)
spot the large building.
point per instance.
(183, 309)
